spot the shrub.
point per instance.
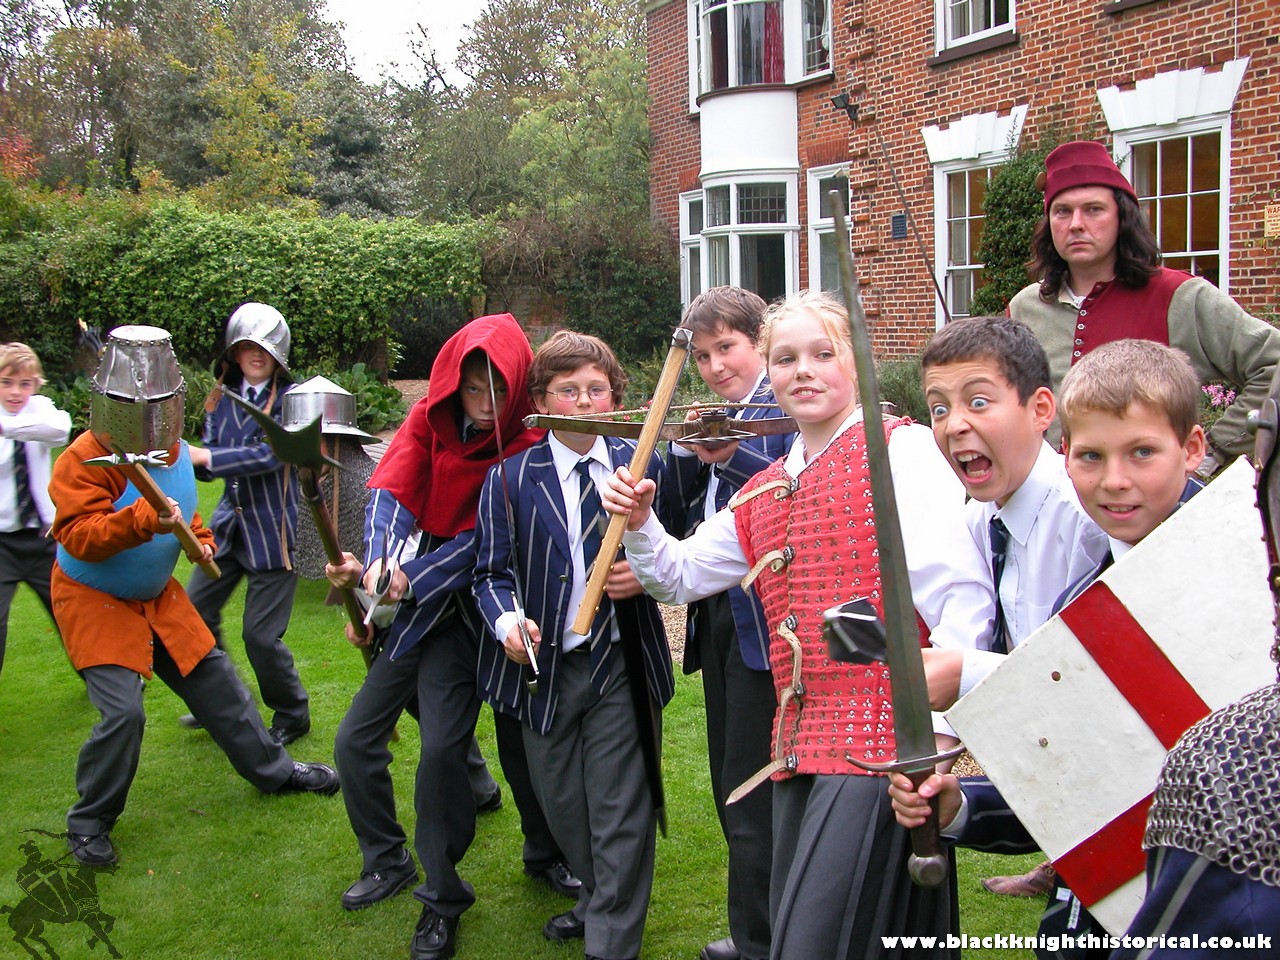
(1012, 208)
(168, 263)
(900, 384)
(420, 327)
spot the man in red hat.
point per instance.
(1101, 280)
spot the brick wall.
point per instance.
(673, 158)
(1067, 49)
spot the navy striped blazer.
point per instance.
(259, 505)
(687, 491)
(546, 570)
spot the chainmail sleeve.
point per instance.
(352, 497)
(1217, 794)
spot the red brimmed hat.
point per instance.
(1081, 163)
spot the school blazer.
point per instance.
(259, 505)
(546, 572)
(992, 826)
(688, 485)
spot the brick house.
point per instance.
(747, 143)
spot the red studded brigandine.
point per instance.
(811, 543)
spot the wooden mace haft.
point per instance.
(301, 449)
(152, 493)
(663, 394)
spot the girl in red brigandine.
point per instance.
(803, 533)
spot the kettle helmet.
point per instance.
(321, 397)
(259, 324)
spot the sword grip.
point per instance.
(927, 865)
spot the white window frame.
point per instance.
(795, 49)
(734, 231)
(794, 65)
(942, 232)
(975, 141)
(1220, 124)
(820, 227)
(691, 286)
(699, 54)
(1178, 103)
(693, 19)
(942, 25)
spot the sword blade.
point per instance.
(531, 681)
(912, 718)
(913, 721)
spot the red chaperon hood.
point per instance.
(426, 467)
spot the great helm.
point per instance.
(321, 397)
(139, 396)
(257, 323)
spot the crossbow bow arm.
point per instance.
(713, 427)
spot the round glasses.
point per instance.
(570, 394)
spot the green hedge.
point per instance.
(378, 405)
(109, 261)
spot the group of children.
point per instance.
(1040, 526)
(485, 562)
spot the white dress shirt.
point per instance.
(41, 426)
(1052, 544)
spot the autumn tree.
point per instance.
(256, 140)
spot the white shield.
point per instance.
(1074, 726)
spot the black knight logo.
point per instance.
(57, 892)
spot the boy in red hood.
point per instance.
(429, 482)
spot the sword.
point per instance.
(531, 683)
(912, 720)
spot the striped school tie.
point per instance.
(28, 515)
(999, 546)
(590, 514)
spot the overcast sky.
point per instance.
(378, 31)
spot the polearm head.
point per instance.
(299, 447)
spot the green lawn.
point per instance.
(211, 868)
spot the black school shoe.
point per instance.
(311, 778)
(558, 877)
(564, 926)
(374, 886)
(286, 735)
(92, 851)
(494, 802)
(435, 937)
